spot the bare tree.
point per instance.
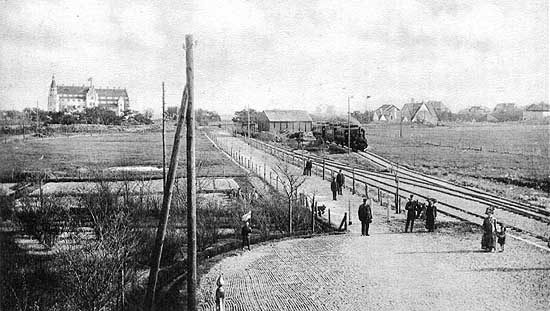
(291, 181)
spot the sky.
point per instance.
(279, 54)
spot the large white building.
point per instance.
(77, 98)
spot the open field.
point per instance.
(513, 155)
(82, 155)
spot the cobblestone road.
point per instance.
(386, 271)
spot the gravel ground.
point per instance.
(386, 271)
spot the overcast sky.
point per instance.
(279, 54)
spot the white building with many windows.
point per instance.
(77, 98)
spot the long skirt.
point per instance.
(489, 241)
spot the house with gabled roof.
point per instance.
(537, 112)
(423, 112)
(387, 113)
(284, 121)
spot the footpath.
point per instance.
(389, 270)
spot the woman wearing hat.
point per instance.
(489, 238)
(431, 214)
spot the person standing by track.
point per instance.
(365, 215)
(410, 207)
(431, 214)
(340, 180)
(334, 188)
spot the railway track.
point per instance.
(454, 200)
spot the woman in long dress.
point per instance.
(431, 214)
(489, 238)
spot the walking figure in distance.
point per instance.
(245, 232)
(501, 237)
(365, 215)
(340, 179)
(410, 207)
(333, 188)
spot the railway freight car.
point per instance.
(338, 133)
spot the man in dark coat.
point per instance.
(245, 233)
(365, 216)
(334, 188)
(340, 181)
(410, 207)
(309, 166)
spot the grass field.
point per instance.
(75, 155)
(484, 155)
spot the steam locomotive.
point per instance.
(338, 133)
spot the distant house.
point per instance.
(284, 121)
(505, 108)
(387, 113)
(424, 112)
(474, 114)
(479, 110)
(507, 112)
(537, 112)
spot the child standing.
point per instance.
(501, 235)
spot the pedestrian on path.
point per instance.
(245, 233)
(340, 180)
(431, 214)
(410, 207)
(333, 188)
(365, 215)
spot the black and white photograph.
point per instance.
(248, 155)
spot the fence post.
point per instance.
(323, 169)
(264, 170)
(378, 195)
(366, 190)
(353, 180)
(329, 216)
(220, 294)
(346, 221)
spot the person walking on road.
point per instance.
(340, 179)
(431, 214)
(245, 233)
(410, 207)
(333, 188)
(365, 216)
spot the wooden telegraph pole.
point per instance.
(191, 184)
(163, 142)
(165, 212)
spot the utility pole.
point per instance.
(349, 127)
(163, 142)
(191, 183)
(37, 117)
(401, 128)
(248, 121)
(167, 199)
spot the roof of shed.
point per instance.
(287, 116)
